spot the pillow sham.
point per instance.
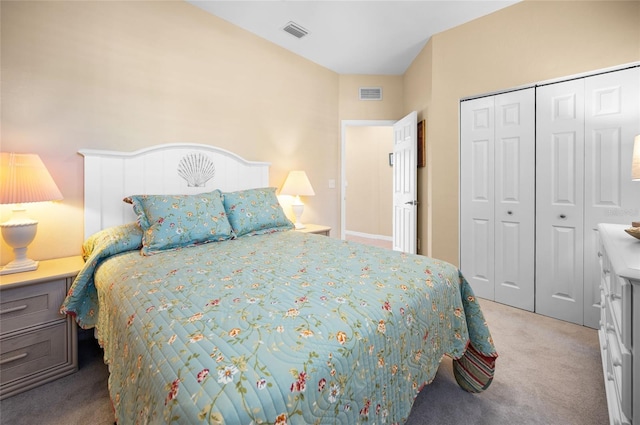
(176, 221)
(255, 211)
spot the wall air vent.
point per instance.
(370, 93)
(295, 30)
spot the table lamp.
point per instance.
(23, 179)
(297, 184)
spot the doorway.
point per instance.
(366, 181)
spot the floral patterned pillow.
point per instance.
(255, 211)
(176, 221)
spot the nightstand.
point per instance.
(316, 228)
(37, 343)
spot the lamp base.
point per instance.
(18, 233)
(298, 209)
(19, 266)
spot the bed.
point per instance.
(210, 308)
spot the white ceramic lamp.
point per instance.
(297, 184)
(23, 179)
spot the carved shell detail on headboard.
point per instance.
(196, 169)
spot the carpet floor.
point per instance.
(549, 372)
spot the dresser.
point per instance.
(620, 322)
(37, 343)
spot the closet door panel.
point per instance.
(515, 198)
(559, 200)
(612, 119)
(477, 195)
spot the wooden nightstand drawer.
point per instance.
(33, 352)
(27, 306)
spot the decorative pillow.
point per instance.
(117, 238)
(175, 221)
(474, 371)
(255, 211)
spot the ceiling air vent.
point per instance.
(295, 30)
(370, 93)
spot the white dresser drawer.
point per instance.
(619, 334)
(27, 306)
(624, 311)
(618, 369)
(33, 352)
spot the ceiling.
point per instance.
(355, 36)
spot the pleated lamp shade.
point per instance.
(24, 178)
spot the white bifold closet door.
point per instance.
(584, 140)
(497, 195)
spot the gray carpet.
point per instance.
(548, 372)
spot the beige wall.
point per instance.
(127, 75)
(369, 207)
(417, 89)
(389, 108)
(525, 43)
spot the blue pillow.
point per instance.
(255, 211)
(176, 221)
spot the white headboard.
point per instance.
(179, 168)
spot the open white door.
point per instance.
(405, 201)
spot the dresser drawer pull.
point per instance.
(13, 359)
(12, 309)
(616, 357)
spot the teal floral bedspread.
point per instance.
(282, 328)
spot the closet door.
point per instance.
(477, 133)
(612, 119)
(514, 203)
(559, 200)
(585, 130)
(497, 197)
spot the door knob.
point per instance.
(510, 212)
(562, 216)
(411, 203)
